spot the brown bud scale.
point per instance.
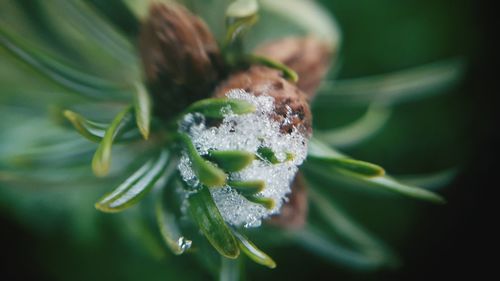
(180, 56)
(307, 56)
(290, 102)
(293, 214)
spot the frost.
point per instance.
(247, 132)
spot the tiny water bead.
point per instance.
(253, 133)
(184, 244)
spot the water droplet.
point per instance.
(184, 244)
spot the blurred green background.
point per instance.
(56, 234)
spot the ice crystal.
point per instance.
(247, 132)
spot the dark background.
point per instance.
(457, 241)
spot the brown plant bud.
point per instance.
(293, 214)
(310, 58)
(290, 102)
(307, 56)
(181, 58)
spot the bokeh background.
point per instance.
(453, 129)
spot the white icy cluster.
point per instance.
(247, 132)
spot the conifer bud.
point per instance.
(309, 57)
(180, 56)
